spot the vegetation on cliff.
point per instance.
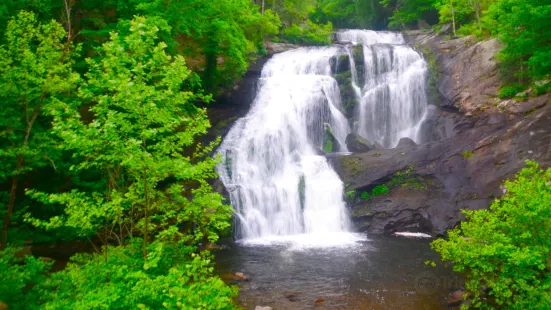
(505, 251)
(523, 26)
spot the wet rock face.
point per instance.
(464, 171)
(468, 74)
(405, 142)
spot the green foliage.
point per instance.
(120, 278)
(350, 195)
(525, 28)
(35, 73)
(379, 190)
(408, 11)
(142, 123)
(504, 252)
(510, 91)
(350, 13)
(225, 34)
(328, 139)
(467, 154)
(19, 276)
(309, 34)
(292, 11)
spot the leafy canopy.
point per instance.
(143, 121)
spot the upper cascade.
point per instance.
(390, 86)
(369, 37)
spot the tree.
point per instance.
(223, 36)
(35, 73)
(525, 28)
(505, 252)
(143, 121)
(407, 11)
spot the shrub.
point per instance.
(505, 251)
(467, 154)
(119, 278)
(17, 276)
(379, 190)
(509, 91)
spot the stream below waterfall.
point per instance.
(295, 238)
(379, 273)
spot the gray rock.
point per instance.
(405, 142)
(274, 48)
(443, 182)
(263, 308)
(357, 144)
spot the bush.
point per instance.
(378, 190)
(510, 91)
(309, 34)
(172, 278)
(467, 154)
(17, 276)
(505, 252)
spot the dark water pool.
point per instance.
(379, 273)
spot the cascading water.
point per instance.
(278, 183)
(393, 100)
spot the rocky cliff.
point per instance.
(474, 141)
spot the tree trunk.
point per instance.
(11, 203)
(262, 7)
(453, 17)
(15, 181)
(477, 10)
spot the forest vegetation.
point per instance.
(103, 102)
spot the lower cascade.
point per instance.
(279, 182)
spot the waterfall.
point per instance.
(278, 183)
(393, 101)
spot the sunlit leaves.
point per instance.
(505, 252)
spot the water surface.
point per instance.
(376, 273)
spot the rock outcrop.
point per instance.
(357, 144)
(473, 142)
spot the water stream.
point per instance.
(279, 184)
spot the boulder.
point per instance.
(274, 48)
(455, 298)
(405, 142)
(263, 308)
(357, 144)
(234, 276)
